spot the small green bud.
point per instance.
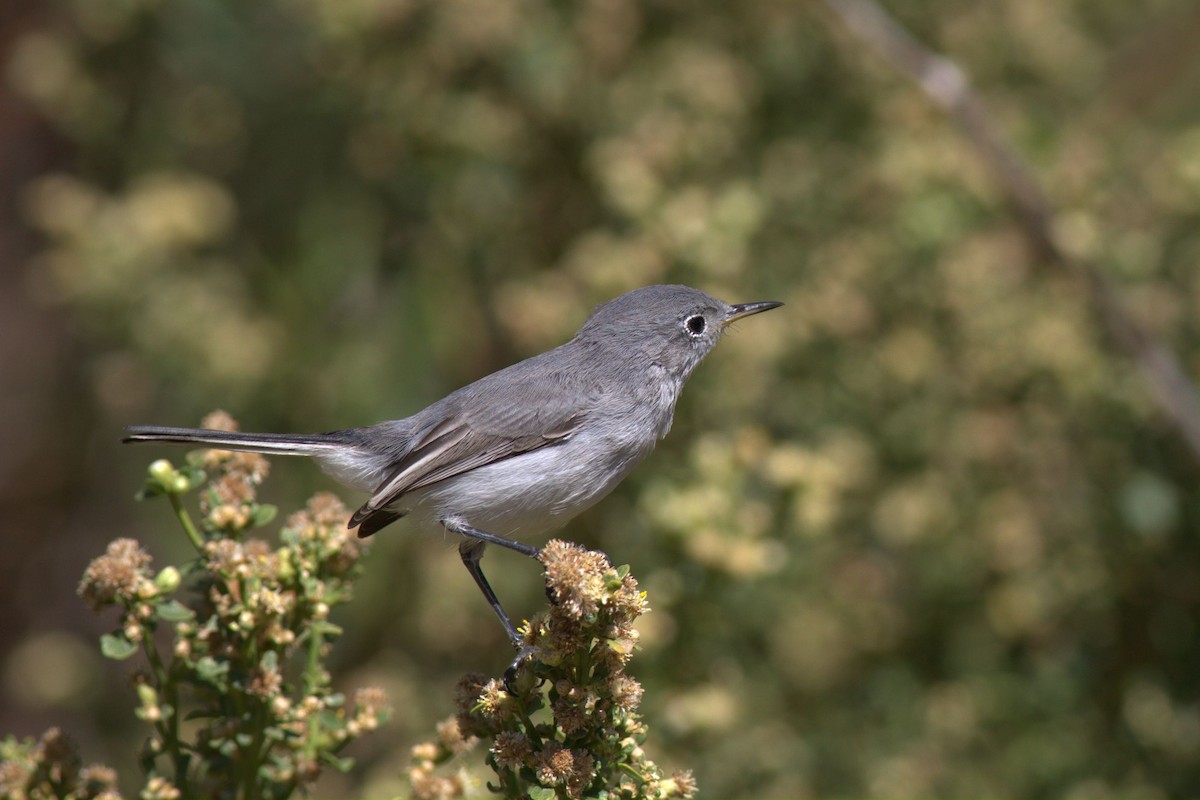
(146, 695)
(178, 484)
(162, 470)
(167, 580)
(286, 570)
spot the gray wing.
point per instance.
(528, 406)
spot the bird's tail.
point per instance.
(283, 444)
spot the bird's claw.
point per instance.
(524, 653)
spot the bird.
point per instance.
(522, 451)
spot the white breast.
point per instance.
(534, 492)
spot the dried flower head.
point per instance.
(575, 578)
(427, 786)
(265, 683)
(466, 697)
(512, 750)
(115, 576)
(573, 707)
(59, 756)
(219, 420)
(322, 526)
(684, 784)
(327, 509)
(425, 751)
(250, 467)
(227, 558)
(99, 781)
(371, 705)
(557, 765)
(451, 737)
(626, 692)
(14, 776)
(49, 767)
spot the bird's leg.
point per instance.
(471, 551)
(463, 529)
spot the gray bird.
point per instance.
(523, 450)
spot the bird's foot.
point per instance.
(524, 653)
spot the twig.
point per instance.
(947, 85)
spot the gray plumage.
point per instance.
(525, 449)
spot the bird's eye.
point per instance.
(695, 325)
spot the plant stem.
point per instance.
(186, 521)
(530, 730)
(250, 755)
(312, 682)
(169, 730)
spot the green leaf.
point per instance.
(211, 671)
(542, 793)
(150, 488)
(263, 514)
(116, 646)
(194, 475)
(325, 628)
(201, 713)
(344, 764)
(173, 611)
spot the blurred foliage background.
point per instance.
(918, 533)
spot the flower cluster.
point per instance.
(590, 743)
(117, 576)
(228, 503)
(450, 742)
(248, 646)
(50, 768)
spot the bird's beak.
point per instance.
(746, 309)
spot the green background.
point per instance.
(918, 533)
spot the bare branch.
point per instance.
(948, 86)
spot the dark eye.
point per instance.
(695, 324)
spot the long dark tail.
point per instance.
(283, 444)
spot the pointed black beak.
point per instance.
(746, 309)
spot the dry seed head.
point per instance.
(370, 702)
(226, 557)
(575, 577)
(115, 576)
(626, 692)
(494, 702)
(159, 788)
(560, 766)
(425, 751)
(99, 781)
(685, 784)
(451, 736)
(511, 750)
(220, 421)
(427, 786)
(466, 697)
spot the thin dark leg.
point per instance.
(463, 529)
(471, 551)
